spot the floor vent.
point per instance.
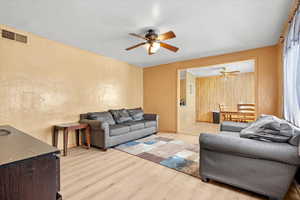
(13, 36)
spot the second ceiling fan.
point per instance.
(226, 73)
(154, 41)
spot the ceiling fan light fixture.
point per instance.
(153, 41)
(225, 77)
(154, 47)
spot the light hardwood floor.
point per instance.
(200, 127)
(114, 175)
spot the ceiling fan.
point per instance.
(225, 73)
(154, 41)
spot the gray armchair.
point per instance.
(266, 168)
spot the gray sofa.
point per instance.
(115, 127)
(267, 168)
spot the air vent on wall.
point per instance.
(21, 38)
(8, 35)
(14, 36)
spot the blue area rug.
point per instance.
(174, 154)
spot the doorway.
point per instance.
(207, 93)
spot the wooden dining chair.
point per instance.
(224, 115)
(246, 112)
(228, 113)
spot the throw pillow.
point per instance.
(102, 116)
(120, 116)
(136, 114)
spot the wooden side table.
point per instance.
(77, 127)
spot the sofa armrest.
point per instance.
(100, 132)
(96, 124)
(233, 126)
(280, 152)
(151, 117)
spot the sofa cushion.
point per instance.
(120, 116)
(136, 114)
(233, 126)
(135, 125)
(101, 116)
(118, 129)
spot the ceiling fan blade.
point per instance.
(166, 36)
(135, 46)
(169, 47)
(232, 72)
(139, 36)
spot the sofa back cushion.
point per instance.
(120, 116)
(137, 114)
(102, 116)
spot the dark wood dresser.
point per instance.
(29, 168)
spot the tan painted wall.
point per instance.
(44, 83)
(187, 113)
(213, 91)
(160, 83)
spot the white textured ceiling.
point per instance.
(203, 27)
(243, 67)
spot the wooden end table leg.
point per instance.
(65, 141)
(77, 132)
(88, 137)
(55, 137)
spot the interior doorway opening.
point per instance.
(211, 94)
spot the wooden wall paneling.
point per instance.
(212, 91)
